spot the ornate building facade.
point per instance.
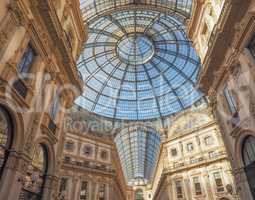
(39, 45)
(228, 78)
(91, 167)
(193, 163)
(127, 100)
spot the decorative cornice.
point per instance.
(93, 170)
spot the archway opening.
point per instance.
(248, 154)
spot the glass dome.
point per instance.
(138, 65)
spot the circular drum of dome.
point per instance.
(138, 65)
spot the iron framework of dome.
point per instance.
(138, 65)
(138, 149)
(91, 9)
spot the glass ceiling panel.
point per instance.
(138, 148)
(138, 65)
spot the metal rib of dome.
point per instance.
(138, 65)
(93, 8)
(138, 148)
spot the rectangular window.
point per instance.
(208, 141)
(174, 152)
(197, 185)
(84, 190)
(54, 108)
(27, 59)
(218, 181)
(230, 100)
(190, 147)
(212, 154)
(179, 192)
(69, 146)
(87, 150)
(101, 192)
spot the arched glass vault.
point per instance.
(138, 149)
(138, 65)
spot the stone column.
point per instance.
(181, 148)
(111, 191)
(95, 191)
(208, 186)
(187, 188)
(73, 190)
(91, 190)
(13, 176)
(171, 194)
(107, 192)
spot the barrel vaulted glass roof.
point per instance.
(138, 65)
(138, 148)
(94, 8)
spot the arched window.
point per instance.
(5, 137)
(248, 153)
(36, 173)
(139, 194)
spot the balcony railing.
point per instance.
(88, 165)
(193, 161)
